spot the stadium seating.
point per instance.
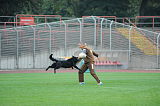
(139, 40)
(107, 63)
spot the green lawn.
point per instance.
(63, 89)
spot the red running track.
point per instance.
(72, 70)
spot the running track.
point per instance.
(72, 70)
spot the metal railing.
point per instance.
(30, 46)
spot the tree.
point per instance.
(149, 8)
(78, 8)
(13, 7)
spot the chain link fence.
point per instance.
(28, 47)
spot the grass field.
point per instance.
(63, 89)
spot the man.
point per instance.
(88, 64)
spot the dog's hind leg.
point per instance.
(57, 67)
(54, 71)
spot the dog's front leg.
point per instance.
(77, 68)
(48, 67)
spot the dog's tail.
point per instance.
(51, 58)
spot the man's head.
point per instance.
(81, 45)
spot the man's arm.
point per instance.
(95, 54)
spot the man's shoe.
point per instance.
(100, 83)
(82, 83)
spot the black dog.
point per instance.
(70, 63)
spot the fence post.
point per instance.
(0, 48)
(110, 34)
(17, 49)
(50, 38)
(80, 29)
(129, 54)
(102, 32)
(95, 31)
(65, 42)
(158, 50)
(34, 35)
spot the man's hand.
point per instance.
(98, 59)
